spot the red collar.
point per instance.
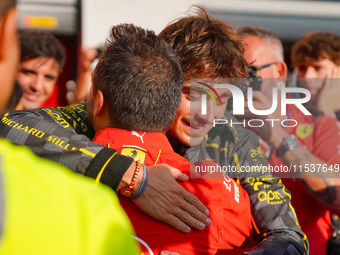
(119, 136)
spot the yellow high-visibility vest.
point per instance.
(47, 209)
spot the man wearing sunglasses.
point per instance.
(258, 68)
(304, 147)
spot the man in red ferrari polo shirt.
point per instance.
(129, 126)
(310, 145)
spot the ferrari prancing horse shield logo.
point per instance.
(135, 152)
(304, 130)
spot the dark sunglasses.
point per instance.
(256, 68)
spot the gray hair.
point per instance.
(266, 36)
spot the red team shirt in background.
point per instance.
(321, 136)
(227, 202)
(53, 100)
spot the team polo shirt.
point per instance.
(321, 136)
(228, 203)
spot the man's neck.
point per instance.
(100, 123)
(175, 144)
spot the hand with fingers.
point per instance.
(167, 201)
(328, 98)
(83, 82)
(87, 55)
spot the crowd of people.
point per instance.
(123, 180)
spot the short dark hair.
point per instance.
(317, 45)
(141, 80)
(5, 5)
(35, 44)
(207, 47)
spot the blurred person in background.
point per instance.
(316, 57)
(54, 211)
(313, 142)
(41, 62)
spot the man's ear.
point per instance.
(282, 69)
(99, 106)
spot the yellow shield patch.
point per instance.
(304, 130)
(135, 152)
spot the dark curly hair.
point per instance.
(207, 47)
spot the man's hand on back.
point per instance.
(165, 200)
